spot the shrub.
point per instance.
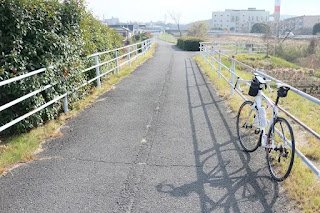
(316, 29)
(260, 28)
(36, 34)
(189, 43)
(198, 29)
(291, 52)
(312, 46)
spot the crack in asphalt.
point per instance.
(119, 162)
(131, 188)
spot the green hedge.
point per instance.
(189, 43)
(36, 34)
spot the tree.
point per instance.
(316, 29)
(176, 18)
(260, 28)
(198, 29)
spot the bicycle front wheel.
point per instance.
(246, 130)
(281, 149)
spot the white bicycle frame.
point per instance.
(275, 112)
(254, 108)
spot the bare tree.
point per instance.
(198, 29)
(176, 18)
(281, 30)
(275, 37)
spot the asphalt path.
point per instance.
(161, 141)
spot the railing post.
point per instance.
(137, 55)
(201, 50)
(233, 71)
(212, 59)
(96, 60)
(206, 54)
(219, 65)
(129, 62)
(117, 61)
(236, 47)
(143, 48)
(65, 104)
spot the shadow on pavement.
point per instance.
(218, 188)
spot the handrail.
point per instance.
(145, 46)
(207, 54)
(117, 49)
(234, 47)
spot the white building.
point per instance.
(301, 25)
(239, 20)
(111, 21)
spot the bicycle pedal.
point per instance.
(257, 131)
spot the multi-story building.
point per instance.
(111, 21)
(239, 20)
(301, 25)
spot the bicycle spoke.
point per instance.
(245, 127)
(280, 157)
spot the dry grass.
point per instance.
(303, 186)
(20, 149)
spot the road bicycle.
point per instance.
(254, 130)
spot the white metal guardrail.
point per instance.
(132, 52)
(209, 53)
(238, 47)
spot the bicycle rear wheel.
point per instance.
(249, 139)
(280, 158)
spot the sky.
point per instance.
(195, 10)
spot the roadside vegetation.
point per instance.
(304, 53)
(168, 38)
(36, 34)
(302, 185)
(21, 148)
(189, 43)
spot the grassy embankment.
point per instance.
(302, 185)
(168, 38)
(21, 148)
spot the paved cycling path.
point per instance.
(162, 141)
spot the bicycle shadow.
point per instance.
(221, 184)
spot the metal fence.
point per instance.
(211, 55)
(132, 52)
(238, 47)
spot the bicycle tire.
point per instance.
(270, 158)
(241, 139)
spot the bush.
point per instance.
(316, 29)
(260, 28)
(291, 52)
(312, 46)
(189, 43)
(198, 29)
(36, 34)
